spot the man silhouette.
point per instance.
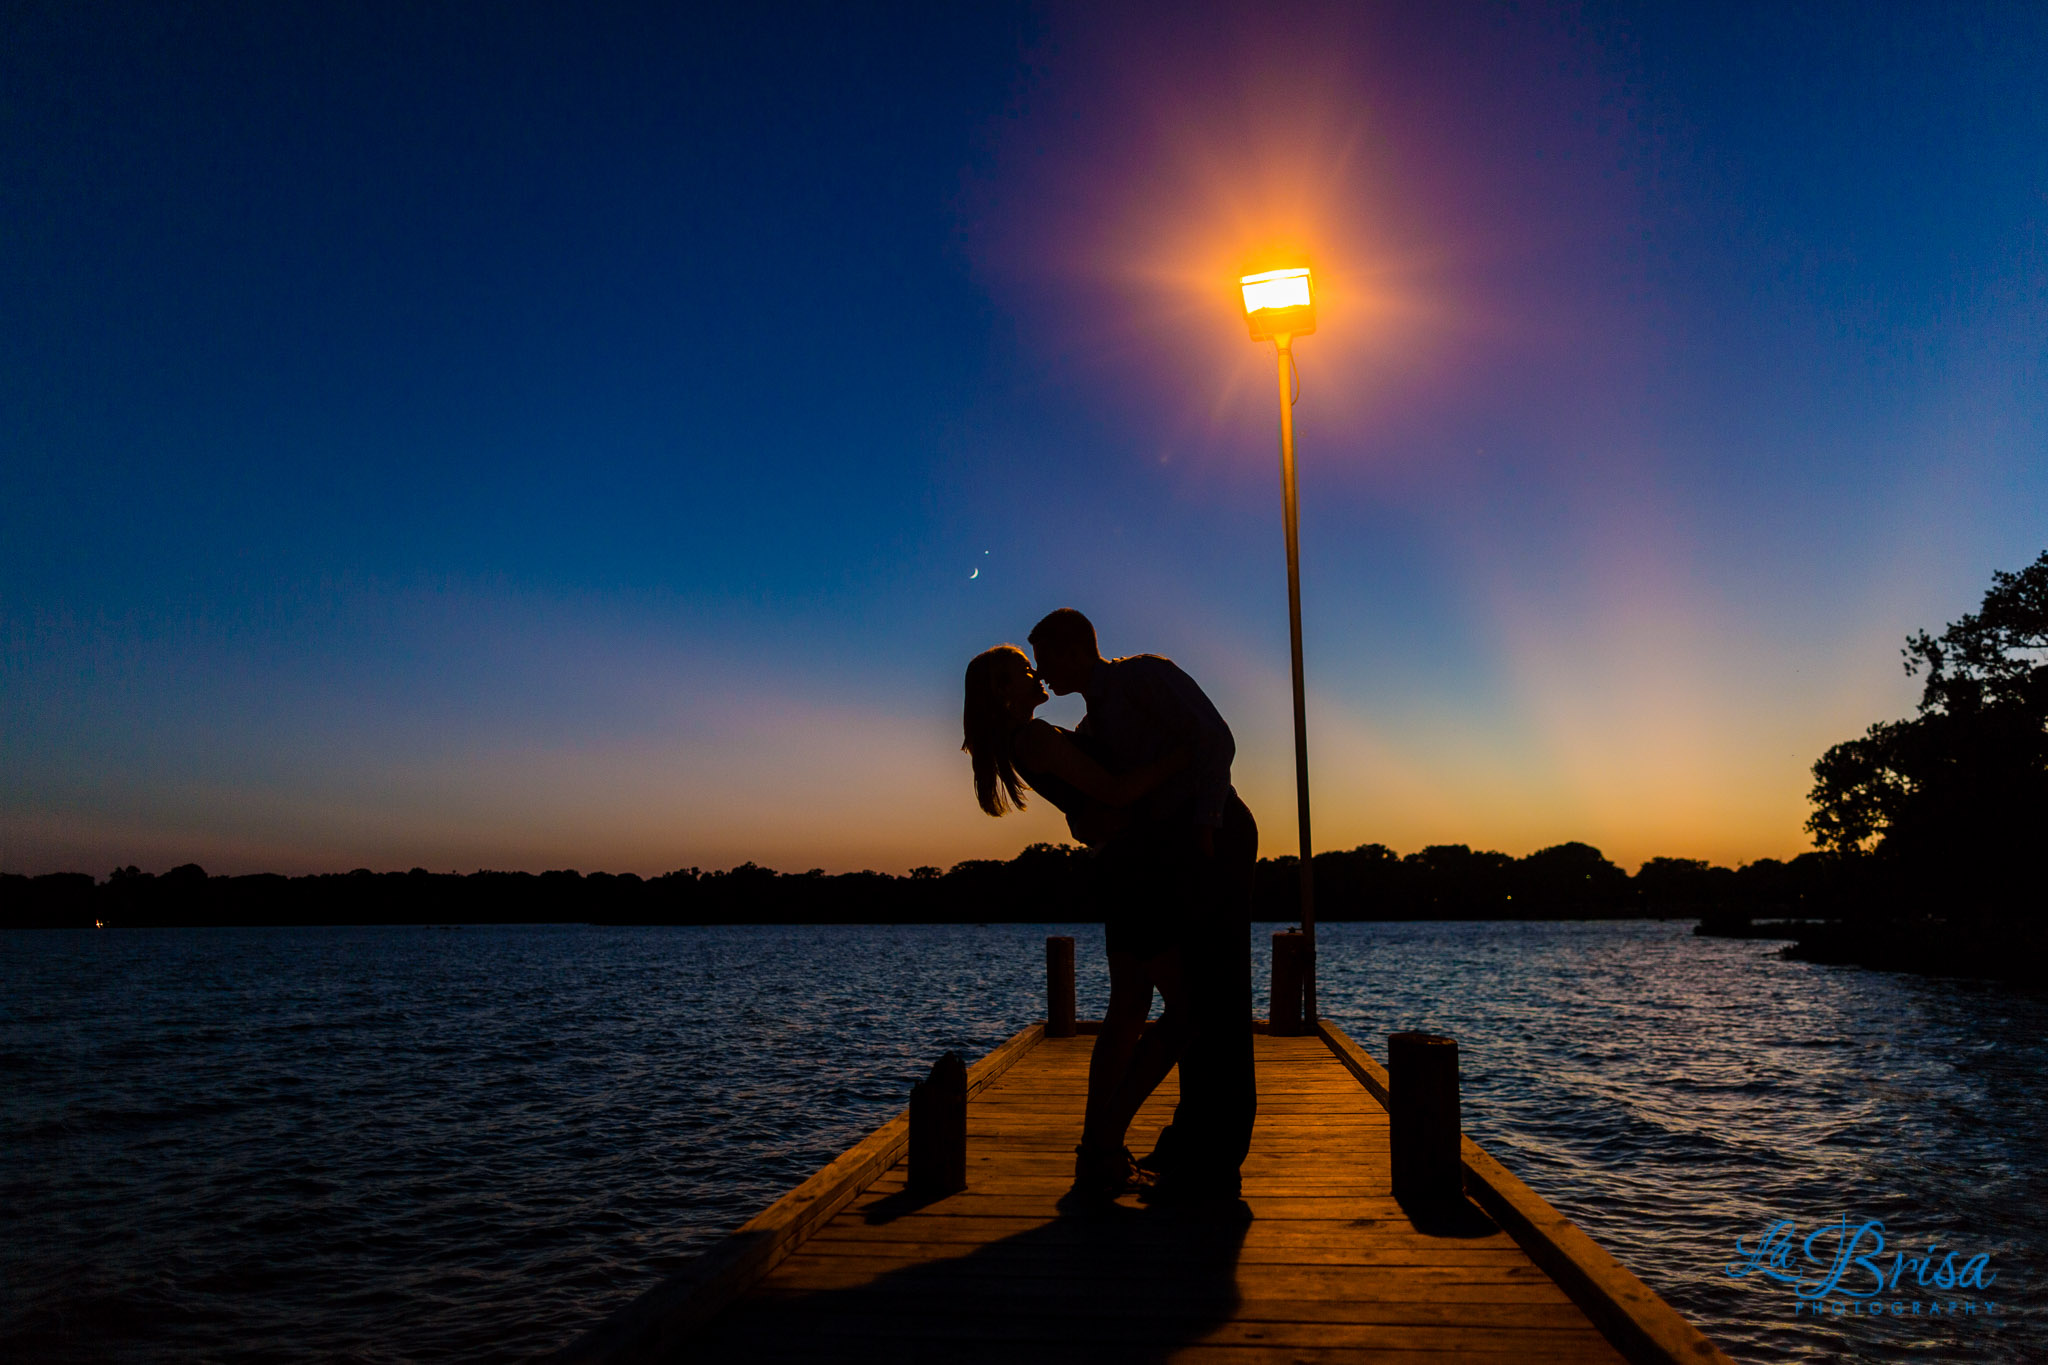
(1200, 844)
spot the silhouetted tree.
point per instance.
(1951, 804)
(1571, 880)
(1462, 884)
(1677, 886)
(1367, 882)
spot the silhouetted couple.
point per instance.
(1144, 781)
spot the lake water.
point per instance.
(385, 1144)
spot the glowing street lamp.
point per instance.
(1278, 304)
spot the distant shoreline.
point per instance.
(1994, 950)
(1572, 881)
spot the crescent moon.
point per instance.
(975, 574)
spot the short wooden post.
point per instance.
(938, 1129)
(1423, 1120)
(1059, 986)
(1290, 954)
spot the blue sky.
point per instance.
(524, 437)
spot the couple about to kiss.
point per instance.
(1144, 782)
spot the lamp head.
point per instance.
(1278, 303)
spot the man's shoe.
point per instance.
(1160, 1159)
(1106, 1172)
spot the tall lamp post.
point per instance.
(1278, 305)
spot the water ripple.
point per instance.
(1672, 1094)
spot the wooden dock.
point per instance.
(1319, 1263)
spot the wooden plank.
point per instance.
(1559, 1314)
(881, 1329)
(1259, 1233)
(1050, 1184)
(1161, 1316)
(1006, 1278)
(972, 1203)
(1501, 1264)
(662, 1317)
(1336, 1154)
(765, 1322)
(1081, 1351)
(1056, 1256)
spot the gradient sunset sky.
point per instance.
(598, 436)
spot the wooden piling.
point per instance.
(938, 1129)
(1290, 956)
(1423, 1120)
(1059, 986)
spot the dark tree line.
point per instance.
(1941, 819)
(1566, 881)
(1045, 882)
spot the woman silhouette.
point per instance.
(1010, 749)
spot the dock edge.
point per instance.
(659, 1320)
(1631, 1315)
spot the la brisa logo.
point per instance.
(1845, 1269)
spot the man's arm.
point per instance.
(1044, 749)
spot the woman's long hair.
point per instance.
(988, 728)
